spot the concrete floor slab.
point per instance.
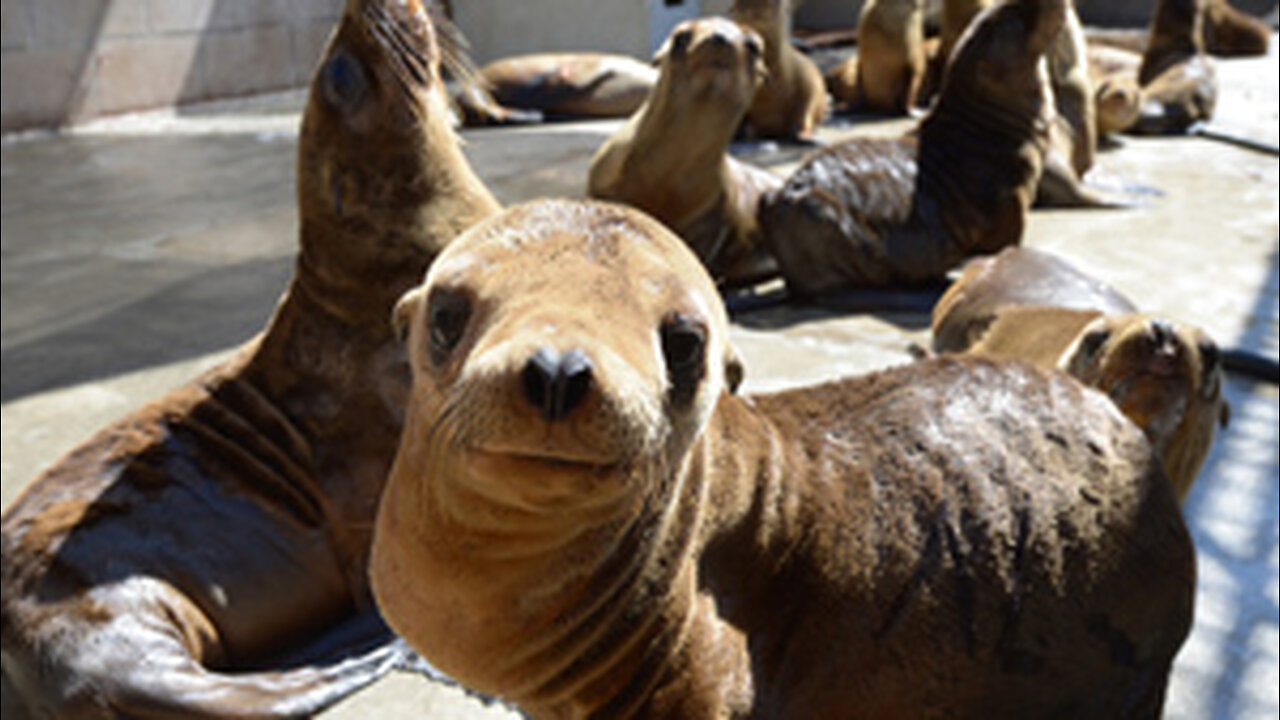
(136, 252)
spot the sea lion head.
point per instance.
(1119, 102)
(375, 123)
(712, 61)
(1000, 56)
(564, 354)
(1165, 376)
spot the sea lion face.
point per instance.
(561, 352)
(712, 59)
(374, 109)
(999, 55)
(1164, 376)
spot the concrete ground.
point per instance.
(136, 252)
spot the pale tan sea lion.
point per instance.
(874, 213)
(671, 158)
(1164, 375)
(1117, 95)
(792, 100)
(891, 61)
(571, 84)
(585, 520)
(158, 569)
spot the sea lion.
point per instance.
(1164, 375)
(1179, 84)
(1074, 132)
(570, 85)
(792, 100)
(875, 213)
(671, 158)
(1117, 95)
(890, 65)
(584, 519)
(1229, 32)
(161, 567)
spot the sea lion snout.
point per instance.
(555, 384)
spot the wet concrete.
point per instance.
(136, 252)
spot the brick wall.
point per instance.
(66, 61)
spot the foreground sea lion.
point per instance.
(159, 568)
(585, 520)
(890, 65)
(1164, 375)
(875, 213)
(671, 158)
(792, 100)
(569, 85)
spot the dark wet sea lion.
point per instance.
(671, 158)
(585, 520)
(792, 100)
(874, 213)
(1164, 375)
(158, 569)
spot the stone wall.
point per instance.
(66, 61)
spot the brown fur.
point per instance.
(792, 100)
(884, 213)
(952, 539)
(890, 65)
(230, 521)
(1165, 376)
(1179, 84)
(1229, 32)
(671, 158)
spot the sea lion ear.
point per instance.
(402, 314)
(734, 370)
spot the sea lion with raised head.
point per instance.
(584, 519)
(671, 159)
(1164, 375)
(161, 567)
(792, 100)
(570, 84)
(887, 72)
(875, 213)
(1178, 81)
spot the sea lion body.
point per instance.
(886, 213)
(584, 520)
(890, 61)
(1179, 83)
(792, 100)
(227, 524)
(1075, 130)
(589, 85)
(671, 158)
(1163, 375)
(1229, 32)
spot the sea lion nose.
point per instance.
(555, 384)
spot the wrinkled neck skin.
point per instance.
(982, 203)
(328, 359)
(564, 607)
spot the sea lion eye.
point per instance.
(343, 81)
(447, 316)
(1092, 342)
(684, 349)
(680, 42)
(753, 48)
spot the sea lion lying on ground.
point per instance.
(158, 569)
(1164, 375)
(671, 158)
(875, 213)
(792, 100)
(887, 72)
(585, 520)
(570, 85)
(1179, 84)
